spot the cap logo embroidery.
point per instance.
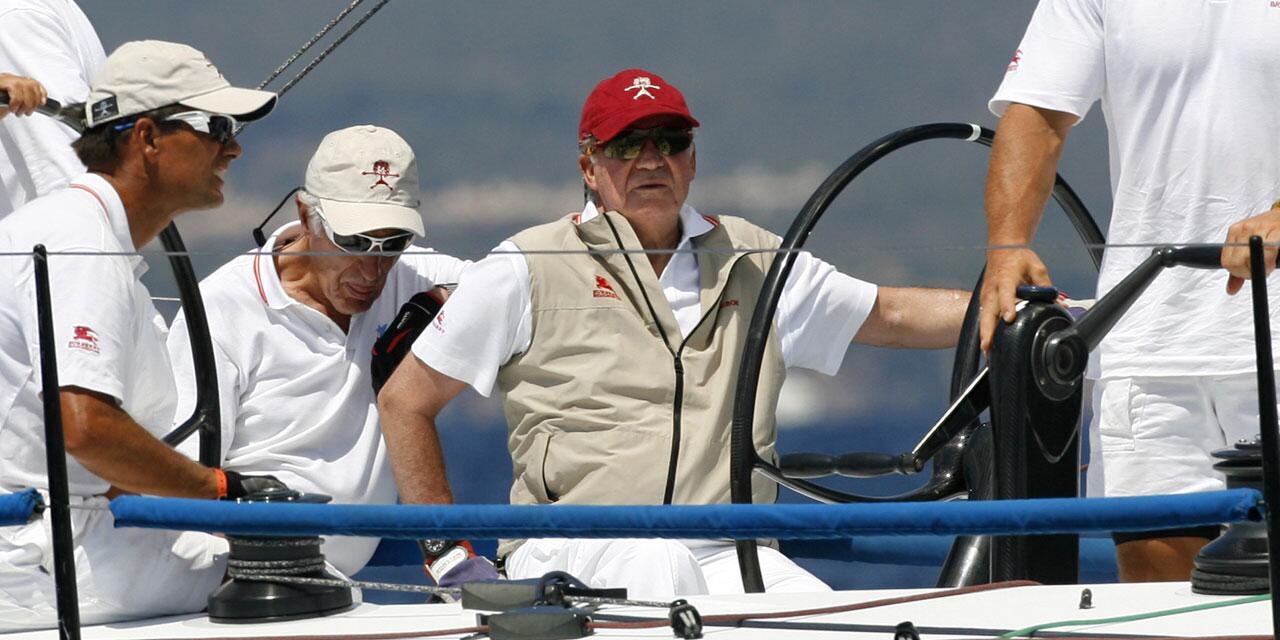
(382, 169)
(603, 289)
(83, 338)
(642, 84)
(209, 64)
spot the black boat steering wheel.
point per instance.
(944, 443)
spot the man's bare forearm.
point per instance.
(1024, 159)
(914, 318)
(103, 438)
(407, 409)
(417, 461)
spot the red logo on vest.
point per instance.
(382, 169)
(603, 289)
(84, 338)
(731, 302)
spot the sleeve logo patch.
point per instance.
(84, 339)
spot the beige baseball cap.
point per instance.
(148, 74)
(366, 178)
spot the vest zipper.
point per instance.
(678, 402)
(676, 405)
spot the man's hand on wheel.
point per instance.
(1006, 269)
(1235, 256)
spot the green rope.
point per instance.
(1027, 632)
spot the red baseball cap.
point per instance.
(628, 96)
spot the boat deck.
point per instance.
(969, 615)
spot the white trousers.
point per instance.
(121, 574)
(655, 569)
(1155, 434)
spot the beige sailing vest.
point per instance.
(592, 405)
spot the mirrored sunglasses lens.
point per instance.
(625, 147)
(223, 128)
(672, 142)
(668, 141)
(352, 244)
(396, 244)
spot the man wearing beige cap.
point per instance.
(294, 322)
(617, 367)
(160, 119)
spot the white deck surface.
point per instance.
(1003, 609)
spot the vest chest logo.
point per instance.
(731, 302)
(603, 289)
(84, 338)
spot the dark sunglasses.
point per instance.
(361, 243)
(215, 125)
(628, 144)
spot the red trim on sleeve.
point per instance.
(257, 275)
(101, 203)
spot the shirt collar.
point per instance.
(692, 223)
(264, 270)
(106, 196)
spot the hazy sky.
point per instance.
(489, 94)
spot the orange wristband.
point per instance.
(221, 477)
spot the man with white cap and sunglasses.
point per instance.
(294, 324)
(159, 121)
(617, 369)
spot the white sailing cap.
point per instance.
(366, 178)
(148, 74)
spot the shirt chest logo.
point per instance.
(603, 289)
(84, 339)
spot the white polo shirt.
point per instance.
(109, 336)
(1189, 90)
(491, 317)
(53, 42)
(294, 389)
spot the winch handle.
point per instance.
(1195, 256)
(53, 109)
(50, 107)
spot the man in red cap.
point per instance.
(616, 334)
